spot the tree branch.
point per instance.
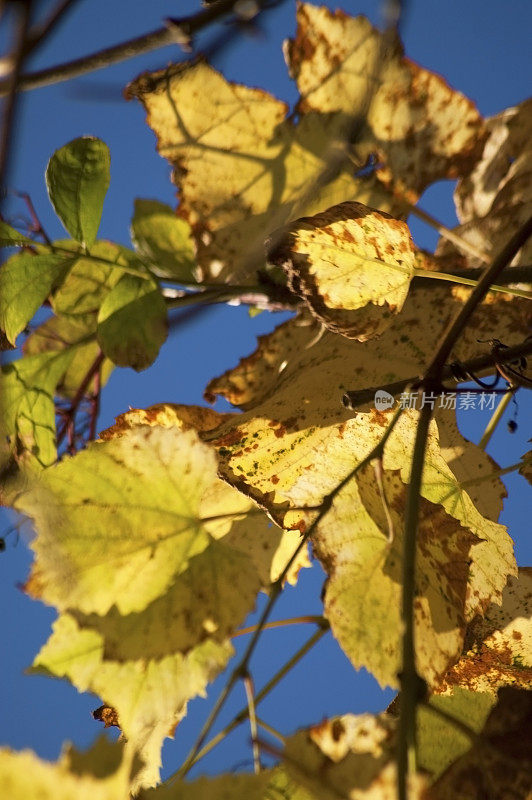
(176, 31)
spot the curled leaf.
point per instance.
(351, 264)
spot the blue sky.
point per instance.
(482, 49)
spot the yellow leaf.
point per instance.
(350, 264)
(417, 127)
(295, 443)
(101, 773)
(149, 696)
(350, 757)
(495, 200)
(241, 166)
(499, 651)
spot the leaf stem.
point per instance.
(495, 419)
(459, 242)
(448, 276)
(280, 623)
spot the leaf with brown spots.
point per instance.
(418, 129)
(499, 764)
(349, 757)
(243, 168)
(351, 264)
(495, 200)
(499, 646)
(295, 442)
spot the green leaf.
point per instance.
(164, 239)
(26, 280)
(9, 237)
(132, 323)
(78, 177)
(62, 333)
(27, 390)
(92, 276)
(439, 741)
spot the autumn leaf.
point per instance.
(244, 169)
(101, 773)
(119, 515)
(350, 264)
(295, 443)
(499, 645)
(267, 784)
(155, 562)
(77, 177)
(349, 756)
(26, 280)
(495, 200)
(415, 126)
(132, 323)
(164, 239)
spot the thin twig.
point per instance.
(480, 365)
(78, 397)
(239, 718)
(175, 32)
(280, 623)
(11, 83)
(412, 685)
(491, 427)
(41, 31)
(248, 684)
(271, 730)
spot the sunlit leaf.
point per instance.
(100, 773)
(132, 323)
(9, 237)
(149, 696)
(26, 280)
(349, 756)
(495, 200)
(296, 442)
(418, 129)
(78, 333)
(27, 390)
(164, 239)
(78, 177)
(118, 521)
(350, 264)
(499, 645)
(267, 785)
(241, 166)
